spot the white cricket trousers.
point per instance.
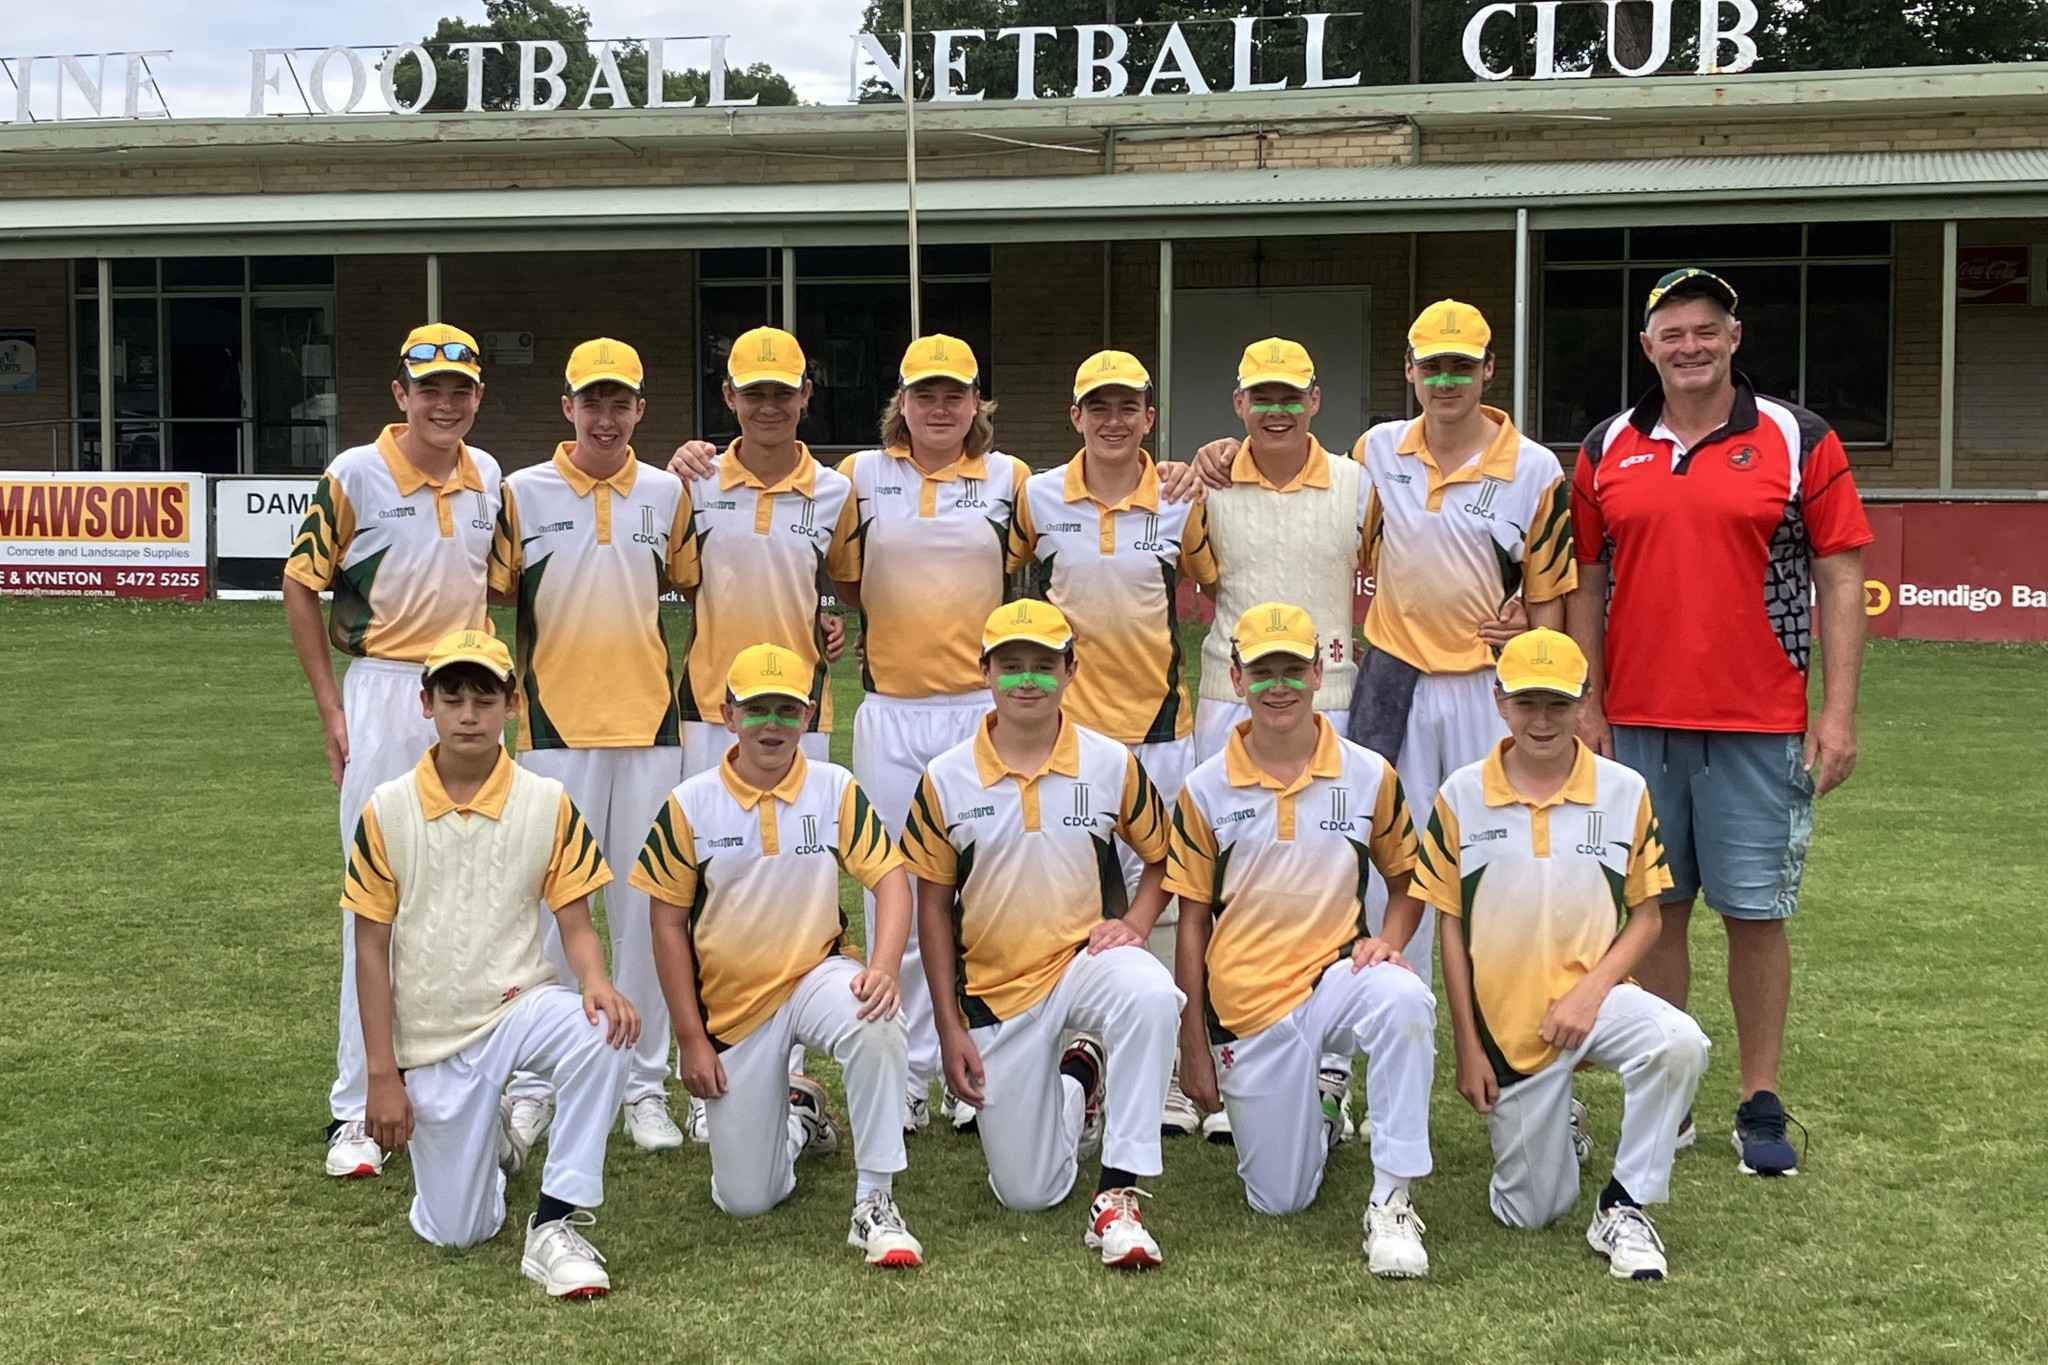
(387, 737)
(1660, 1055)
(458, 1190)
(1268, 1082)
(1031, 1123)
(705, 744)
(1167, 766)
(1452, 722)
(1215, 719)
(755, 1139)
(619, 793)
(894, 738)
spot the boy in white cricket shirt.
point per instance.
(1021, 899)
(1534, 855)
(400, 532)
(1273, 841)
(584, 546)
(743, 864)
(454, 992)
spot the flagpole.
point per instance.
(910, 161)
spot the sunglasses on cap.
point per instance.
(460, 352)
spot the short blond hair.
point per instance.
(981, 433)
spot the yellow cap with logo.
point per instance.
(1448, 327)
(470, 647)
(1274, 628)
(1542, 661)
(1029, 620)
(768, 671)
(1276, 360)
(605, 361)
(766, 355)
(438, 348)
(1105, 368)
(939, 357)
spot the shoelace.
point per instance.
(1772, 1126)
(1397, 1214)
(524, 1110)
(880, 1212)
(650, 1109)
(1633, 1227)
(355, 1130)
(567, 1229)
(1123, 1203)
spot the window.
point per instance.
(222, 364)
(1816, 308)
(852, 317)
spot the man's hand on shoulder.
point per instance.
(693, 460)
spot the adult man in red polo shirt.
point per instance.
(1716, 518)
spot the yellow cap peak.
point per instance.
(766, 355)
(604, 361)
(1276, 360)
(1274, 628)
(768, 671)
(1448, 327)
(1106, 368)
(939, 356)
(1027, 619)
(1542, 661)
(478, 647)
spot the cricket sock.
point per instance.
(1385, 1187)
(1114, 1178)
(1616, 1193)
(1081, 1067)
(866, 1183)
(551, 1209)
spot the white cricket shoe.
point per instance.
(1116, 1229)
(1393, 1240)
(1582, 1138)
(511, 1151)
(531, 1117)
(351, 1153)
(964, 1117)
(1687, 1133)
(807, 1102)
(1179, 1118)
(1216, 1128)
(697, 1122)
(650, 1127)
(917, 1113)
(877, 1230)
(559, 1260)
(1333, 1087)
(1088, 1145)
(1629, 1241)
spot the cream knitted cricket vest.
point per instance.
(466, 940)
(1300, 548)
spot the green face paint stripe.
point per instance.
(1293, 409)
(793, 722)
(1010, 682)
(1297, 684)
(1445, 381)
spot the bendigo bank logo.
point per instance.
(133, 512)
(1082, 816)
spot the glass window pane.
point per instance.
(1848, 364)
(85, 273)
(954, 260)
(135, 358)
(1588, 244)
(854, 334)
(203, 272)
(134, 274)
(1849, 239)
(291, 272)
(882, 262)
(726, 311)
(293, 381)
(1584, 328)
(744, 263)
(205, 357)
(1769, 313)
(1720, 241)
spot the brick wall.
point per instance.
(36, 294)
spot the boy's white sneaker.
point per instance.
(1088, 1144)
(1180, 1118)
(697, 1122)
(511, 1150)
(531, 1117)
(559, 1260)
(877, 1230)
(1629, 1241)
(964, 1117)
(1582, 1137)
(650, 1127)
(351, 1154)
(1117, 1230)
(807, 1102)
(917, 1113)
(1216, 1128)
(1393, 1240)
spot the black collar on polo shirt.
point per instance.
(1742, 416)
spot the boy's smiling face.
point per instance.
(768, 728)
(1279, 688)
(1026, 679)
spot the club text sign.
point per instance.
(103, 535)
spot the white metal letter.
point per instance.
(316, 80)
(607, 81)
(473, 54)
(892, 71)
(1474, 31)
(1546, 45)
(1317, 23)
(657, 70)
(89, 87)
(1660, 39)
(138, 77)
(1183, 68)
(716, 95)
(261, 77)
(24, 74)
(532, 75)
(1087, 62)
(1241, 63)
(1712, 35)
(387, 78)
(1027, 57)
(946, 63)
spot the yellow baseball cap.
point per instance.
(766, 355)
(470, 647)
(1274, 628)
(1027, 619)
(605, 361)
(1276, 360)
(1542, 661)
(939, 357)
(438, 348)
(1448, 327)
(768, 671)
(1105, 368)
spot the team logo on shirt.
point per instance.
(1482, 505)
(1150, 542)
(646, 534)
(1082, 816)
(551, 527)
(1056, 527)
(1402, 478)
(889, 490)
(806, 521)
(970, 494)
(390, 512)
(1482, 836)
(1340, 811)
(1593, 843)
(482, 520)
(1233, 817)
(976, 813)
(1743, 458)
(810, 843)
(729, 841)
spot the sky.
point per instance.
(208, 73)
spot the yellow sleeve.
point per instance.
(506, 562)
(323, 538)
(1191, 852)
(1438, 878)
(369, 889)
(1392, 842)
(926, 850)
(843, 556)
(1141, 817)
(577, 868)
(1020, 544)
(1369, 535)
(865, 852)
(685, 568)
(667, 866)
(1649, 876)
(1549, 568)
(1197, 555)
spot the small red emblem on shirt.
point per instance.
(508, 995)
(1228, 1059)
(1743, 458)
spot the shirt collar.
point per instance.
(1497, 461)
(1648, 414)
(489, 799)
(581, 483)
(407, 475)
(966, 467)
(1145, 495)
(1315, 472)
(1327, 761)
(1581, 788)
(785, 791)
(1064, 759)
(802, 479)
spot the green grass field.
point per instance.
(168, 951)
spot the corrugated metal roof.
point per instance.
(1186, 204)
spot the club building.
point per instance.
(1885, 230)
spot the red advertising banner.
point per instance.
(103, 535)
(1991, 274)
(1958, 571)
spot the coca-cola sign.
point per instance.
(1991, 274)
